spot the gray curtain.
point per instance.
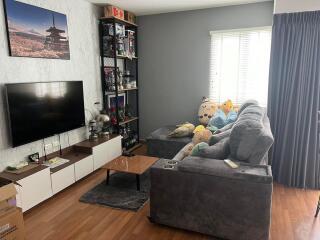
(294, 99)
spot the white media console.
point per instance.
(41, 183)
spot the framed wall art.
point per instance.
(36, 32)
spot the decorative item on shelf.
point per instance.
(112, 100)
(128, 111)
(93, 130)
(129, 44)
(133, 84)
(120, 30)
(107, 29)
(120, 80)
(130, 17)
(113, 11)
(121, 112)
(126, 79)
(107, 46)
(104, 119)
(130, 137)
(113, 117)
(92, 123)
(120, 46)
(109, 79)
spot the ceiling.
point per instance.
(146, 7)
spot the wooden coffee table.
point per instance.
(137, 165)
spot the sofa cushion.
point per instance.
(247, 104)
(251, 137)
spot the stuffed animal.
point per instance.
(201, 135)
(206, 110)
(199, 128)
(227, 106)
(197, 148)
(182, 130)
(218, 120)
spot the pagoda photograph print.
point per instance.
(36, 32)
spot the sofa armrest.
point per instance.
(207, 196)
(218, 168)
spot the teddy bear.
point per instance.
(206, 110)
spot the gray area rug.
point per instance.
(121, 192)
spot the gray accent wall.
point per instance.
(174, 52)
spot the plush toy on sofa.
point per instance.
(182, 130)
(206, 110)
(201, 134)
(227, 106)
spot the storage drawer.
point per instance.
(34, 189)
(106, 152)
(83, 167)
(62, 179)
(114, 148)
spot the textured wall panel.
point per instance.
(83, 65)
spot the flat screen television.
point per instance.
(43, 109)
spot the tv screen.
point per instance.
(40, 110)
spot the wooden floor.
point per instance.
(64, 217)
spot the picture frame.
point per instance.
(36, 32)
(112, 100)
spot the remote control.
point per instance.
(230, 163)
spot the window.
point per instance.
(239, 67)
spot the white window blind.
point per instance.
(239, 65)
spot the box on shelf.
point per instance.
(130, 17)
(11, 218)
(7, 195)
(12, 225)
(113, 11)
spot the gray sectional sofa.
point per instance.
(205, 195)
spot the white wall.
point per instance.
(83, 65)
(287, 6)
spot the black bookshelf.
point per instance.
(111, 59)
